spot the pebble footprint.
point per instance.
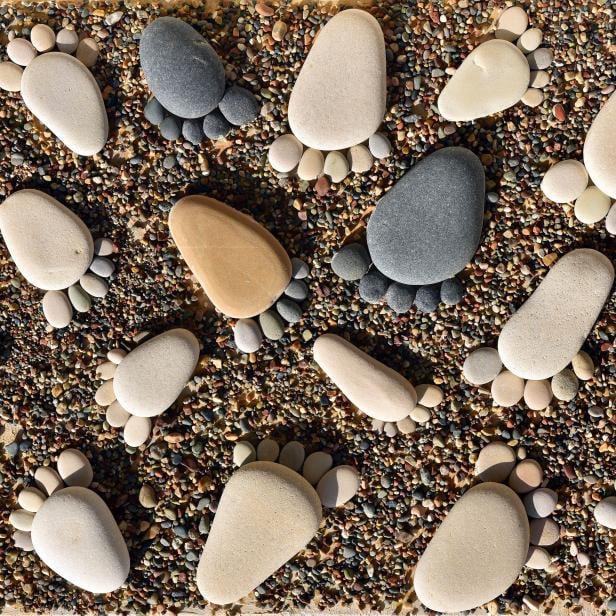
(270, 509)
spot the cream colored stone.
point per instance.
(526, 476)
(360, 159)
(57, 309)
(583, 366)
(565, 385)
(406, 425)
(482, 366)
(43, 38)
(285, 153)
(507, 389)
(117, 415)
(147, 497)
(539, 79)
(106, 370)
(338, 486)
(244, 453)
(600, 148)
(495, 462)
(105, 394)
(240, 265)
(429, 395)
(375, 389)
(537, 394)
(537, 558)
(311, 165)
(592, 206)
(530, 40)
(565, 181)
(21, 519)
(420, 414)
(31, 499)
(137, 430)
(268, 450)
(10, 76)
(316, 465)
(48, 480)
(21, 51)
(540, 503)
(67, 40)
(544, 532)
(116, 355)
(512, 23)
(87, 52)
(293, 455)
(23, 540)
(75, 468)
(93, 285)
(533, 97)
(605, 512)
(336, 166)
(610, 220)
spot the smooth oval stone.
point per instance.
(137, 430)
(507, 389)
(512, 23)
(537, 394)
(429, 395)
(239, 106)
(406, 426)
(75, 468)
(300, 269)
(537, 558)
(103, 247)
(23, 540)
(285, 153)
(21, 519)
(153, 375)
(105, 394)
(544, 532)
(87, 52)
(43, 38)
(540, 503)
(50, 245)
(605, 512)
(330, 113)
(310, 165)
(495, 462)
(102, 266)
(75, 526)
(338, 486)
(247, 336)
(583, 366)
(533, 97)
(292, 455)
(565, 181)
(21, 51)
(240, 264)
(477, 553)
(374, 388)
(427, 227)
(116, 355)
(117, 415)
(10, 76)
(80, 300)
(268, 450)
(48, 480)
(267, 513)
(31, 499)
(183, 71)
(592, 206)
(526, 476)
(420, 414)
(379, 145)
(67, 40)
(493, 77)
(600, 149)
(548, 330)
(351, 262)
(62, 93)
(244, 453)
(316, 465)
(147, 497)
(272, 325)
(360, 159)
(57, 309)
(297, 290)
(540, 79)
(482, 366)
(540, 59)
(610, 220)
(93, 285)
(565, 385)
(530, 40)
(336, 166)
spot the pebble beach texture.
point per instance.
(363, 554)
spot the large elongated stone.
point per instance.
(240, 264)
(75, 535)
(548, 330)
(373, 387)
(339, 97)
(51, 246)
(267, 513)
(477, 552)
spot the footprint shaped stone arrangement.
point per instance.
(394, 405)
(268, 513)
(541, 340)
(500, 72)
(57, 87)
(422, 233)
(70, 527)
(187, 80)
(242, 268)
(145, 382)
(486, 539)
(336, 119)
(567, 181)
(54, 250)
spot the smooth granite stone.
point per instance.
(338, 486)
(272, 325)
(495, 462)
(285, 153)
(247, 336)
(51, 246)
(477, 553)
(316, 465)
(239, 106)
(336, 166)
(43, 38)
(23, 540)
(80, 299)
(57, 309)
(482, 366)
(428, 297)
(116, 416)
(289, 310)
(565, 385)
(540, 59)
(373, 286)
(493, 77)
(183, 71)
(400, 297)
(74, 468)
(540, 503)
(360, 159)
(427, 227)
(605, 512)
(565, 181)
(548, 330)
(215, 125)
(297, 290)
(379, 145)
(170, 128)
(137, 430)
(330, 113)
(374, 388)
(62, 93)
(153, 375)
(544, 532)
(537, 394)
(310, 165)
(154, 112)
(75, 535)
(351, 262)
(530, 40)
(240, 265)
(267, 513)
(192, 131)
(452, 292)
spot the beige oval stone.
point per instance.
(537, 558)
(537, 394)
(482, 366)
(285, 153)
(495, 462)
(512, 23)
(21, 519)
(540, 503)
(244, 453)
(23, 540)
(147, 497)
(57, 309)
(310, 165)
(31, 499)
(105, 394)
(43, 38)
(137, 430)
(360, 159)
(336, 166)
(268, 450)
(21, 51)
(267, 513)
(477, 553)
(106, 370)
(507, 389)
(530, 40)
(293, 455)
(420, 414)
(10, 76)
(374, 388)
(87, 52)
(540, 79)
(316, 465)
(240, 265)
(429, 395)
(565, 385)
(565, 181)
(75, 468)
(544, 532)
(583, 366)
(93, 285)
(600, 148)
(338, 486)
(406, 425)
(117, 415)
(67, 40)
(592, 206)
(48, 480)
(526, 476)
(533, 97)
(116, 355)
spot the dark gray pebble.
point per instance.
(239, 106)
(192, 130)
(289, 310)
(299, 268)
(372, 286)
(452, 291)
(428, 297)
(272, 325)
(351, 262)
(400, 297)
(154, 112)
(170, 128)
(215, 126)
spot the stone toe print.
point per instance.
(394, 405)
(546, 334)
(145, 382)
(57, 87)
(499, 73)
(242, 268)
(486, 539)
(336, 119)
(187, 80)
(422, 233)
(568, 180)
(53, 250)
(70, 527)
(270, 510)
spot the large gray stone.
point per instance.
(427, 227)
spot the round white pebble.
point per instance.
(592, 206)
(21, 51)
(512, 23)
(530, 40)
(57, 309)
(338, 486)
(31, 499)
(537, 558)
(21, 519)
(43, 38)
(610, 220)
(605, 512)
(533, 97)
(74, 468)
(67, 40)
(482, 366)
(116, 355)
(495, 462)
(310, 165)
(243, 453)
(93, 285)
(379, 146)
(507, 389)
(540, 503)
(10, 76)
(137, 430)
(285, 153)
(420, 414)
(247, 336)
(429, 395)
(583, 366)
(87, 52)
(48, 480)
(565, 385)
(117, 415)
(105, 394)
(565, 181)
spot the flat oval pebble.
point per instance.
(244, 453)
(374, 388)
(548, 330)
(310, 165)
(268, 450)
(379, 146)
(80, 300)
(67, 40)
(420, 414)
(289, 310)
(583, 366)
(338, 486)
(565, 385)
(610, 220)
(240, 264)
(247, 336)
(537, 558)
(272, 325)
(336, 166)
(507, 389)
(62, 93)
(21, 519)
(330, 113)
(406, 426)
(316, 465)
(605, 512)
(57, 309)
(530, 40)
(351, 262)
(48, 480)
(31, 499)
(592, 206)
(533, 97)
(292, 455)
(10, 76)
(87, 52)
(429, 395)
(540, 79)
(526, 476)
(182, 70)
(427, 227)
(74, 527)
(482, 366)
(493, 77)
(147, 497)
(297, 290)
(512, 23)
(360, 159)
(21, 51)
(540, 503)
(537, 394)
(75, 468)
(495, 462)
(102, 267)
(565, 181)
(540, 59)
(600, 148)
(117, 415)
(285, 153)
(137, 430)
(477, 553)
(267, 513)
(239, 106)
(50, 245)
(93, 285)
(23, 540)
(116, 355)
(544, 532)
(43, 38)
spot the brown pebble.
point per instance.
(322, 186)
(264, 10)
(559, 112)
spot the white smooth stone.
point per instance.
(75, 527)
(105, 394)
(21, 519)
(31, 499)
(539, 79)
(538, 558)
(565, 181)
(106, 370)
(103, 247)
(380, 146)
(57, 309)
(495, 462)
(592, 206)
(360, 159)
(537, 394)
(74, 468)
(43, 38)
(548, 330)
(80, 300)
(153, 375)
(511, 23)
(338, 486)
(600, 148)
(23, 540)
(117, 416)
(285, 153)
(21, 51)
(540, 503)
(93, 285)
(247, 336)
(67, 40)
(62, 93)
(493, 77)
(244, 453)
(316, 465)
(565, 385)
(583, 366)
(116, 355)
(610, 220)
(406, 425)
(87, 52)
(327, 112)
(507, 389)
(310, 165)
(605, 512)
(137, 430)
(420, 414)
(526, 476)
(429, 395)
(544, 532)
(482, 366)
(530, 40)
(48, 480)
(102, 266)
(336, 166)
(532, 97)
(10, 76)
(50, 245)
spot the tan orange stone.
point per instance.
(240, 264)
